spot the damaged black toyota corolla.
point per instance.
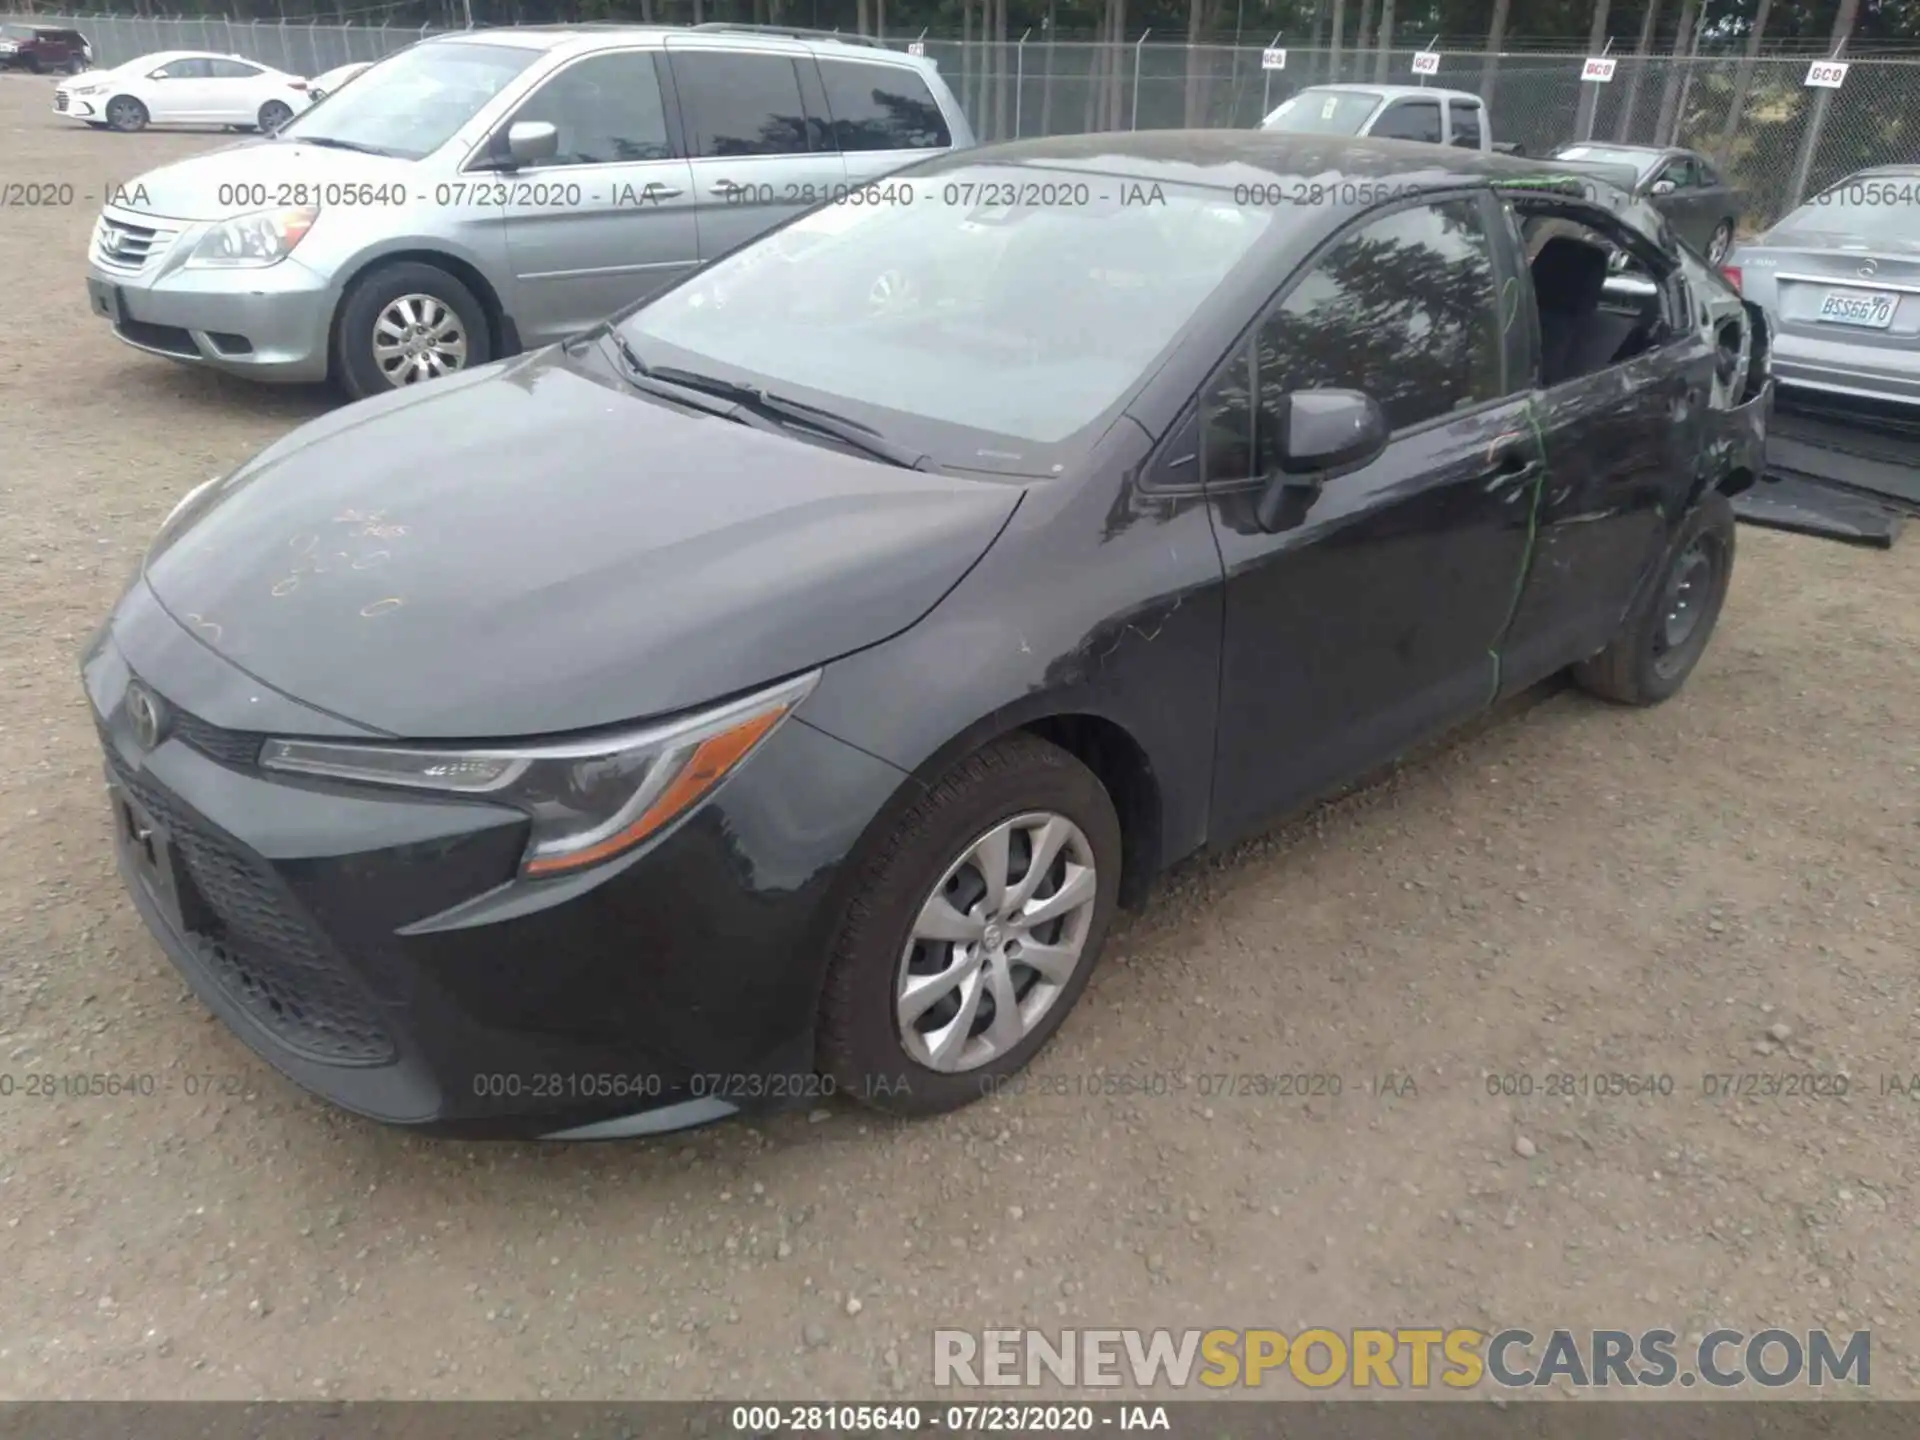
(772, 693)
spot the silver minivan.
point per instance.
(478, 194)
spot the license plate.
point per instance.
(148, 851)
(1871, 309)
(106, 300)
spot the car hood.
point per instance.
(532, 548)
(202, 187)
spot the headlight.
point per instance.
(86, 89)
(589, 800)
(249, 241)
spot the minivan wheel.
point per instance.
(406, 323)
(273, 115)
(1667, 632)
(126, 114)
(976, 925)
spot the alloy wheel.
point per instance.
(1720, 242)
(418, 337)
(274, 114)
(995, 944)
(126, 114)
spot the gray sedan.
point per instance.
(1685, 186)
(1840, 278)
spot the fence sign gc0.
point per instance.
(1426, 62)
(1271, 59)
(1598, 69)
(1827, 74)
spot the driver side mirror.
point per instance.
(1663, 187)
(525, 142)
(1320, 434)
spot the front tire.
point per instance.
(976, 925)
(406, 323)
(273, 115)
(126, 114)
(1668, 630)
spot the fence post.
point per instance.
(1139, 55)
(1266, 77)
(313, 45)
(1019, 79)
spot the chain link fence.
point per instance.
(1776, 137)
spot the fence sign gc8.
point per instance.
(1271, 59)
(1827, 74)
(1599, 69)
(1426, 62)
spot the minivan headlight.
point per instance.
(265, 237)
(589, 800)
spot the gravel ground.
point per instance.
(1580, 889)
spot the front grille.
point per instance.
(237, 748)
(249, 935)
(125, 246)
(169, 338)
(59, 99)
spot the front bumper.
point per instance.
(378, 950)
(268, 324)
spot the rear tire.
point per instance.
(126, 114)
(1666, 633)
(406, 284)
(1720, 242)
(929, 875)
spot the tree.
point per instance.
(1623, 132)
(1670, 90)
(1743, 80)
(1496, 37)
(1384, 57)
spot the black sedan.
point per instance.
(1684, 185)
(772, 692)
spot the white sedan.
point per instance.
(183, 87)
(322, 86)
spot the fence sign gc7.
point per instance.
(916, 47)
(1426, 62)
(1827, 74)
(1271, 59)
(1599, 69)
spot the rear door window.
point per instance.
(1410, 120)
(1465, 120)
(739, 104)
(882, 107)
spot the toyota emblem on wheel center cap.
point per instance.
(144, 710)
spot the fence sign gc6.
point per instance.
(1426, 62)
(1827, 74)
(1599, 69)
(1271, 59)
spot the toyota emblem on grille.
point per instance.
(1868, 269)
(148, 717)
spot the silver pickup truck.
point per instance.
(1422, 113)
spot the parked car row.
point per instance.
(773, 688)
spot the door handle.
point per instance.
(661, 192)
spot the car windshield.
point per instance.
(1873, 207)
(1323, 112)
(1026, 320)
(411, 104)
(1642, 161)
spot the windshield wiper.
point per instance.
(329, 142)
(863, 438)
(640, 375)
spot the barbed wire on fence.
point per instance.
(1756, 117)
